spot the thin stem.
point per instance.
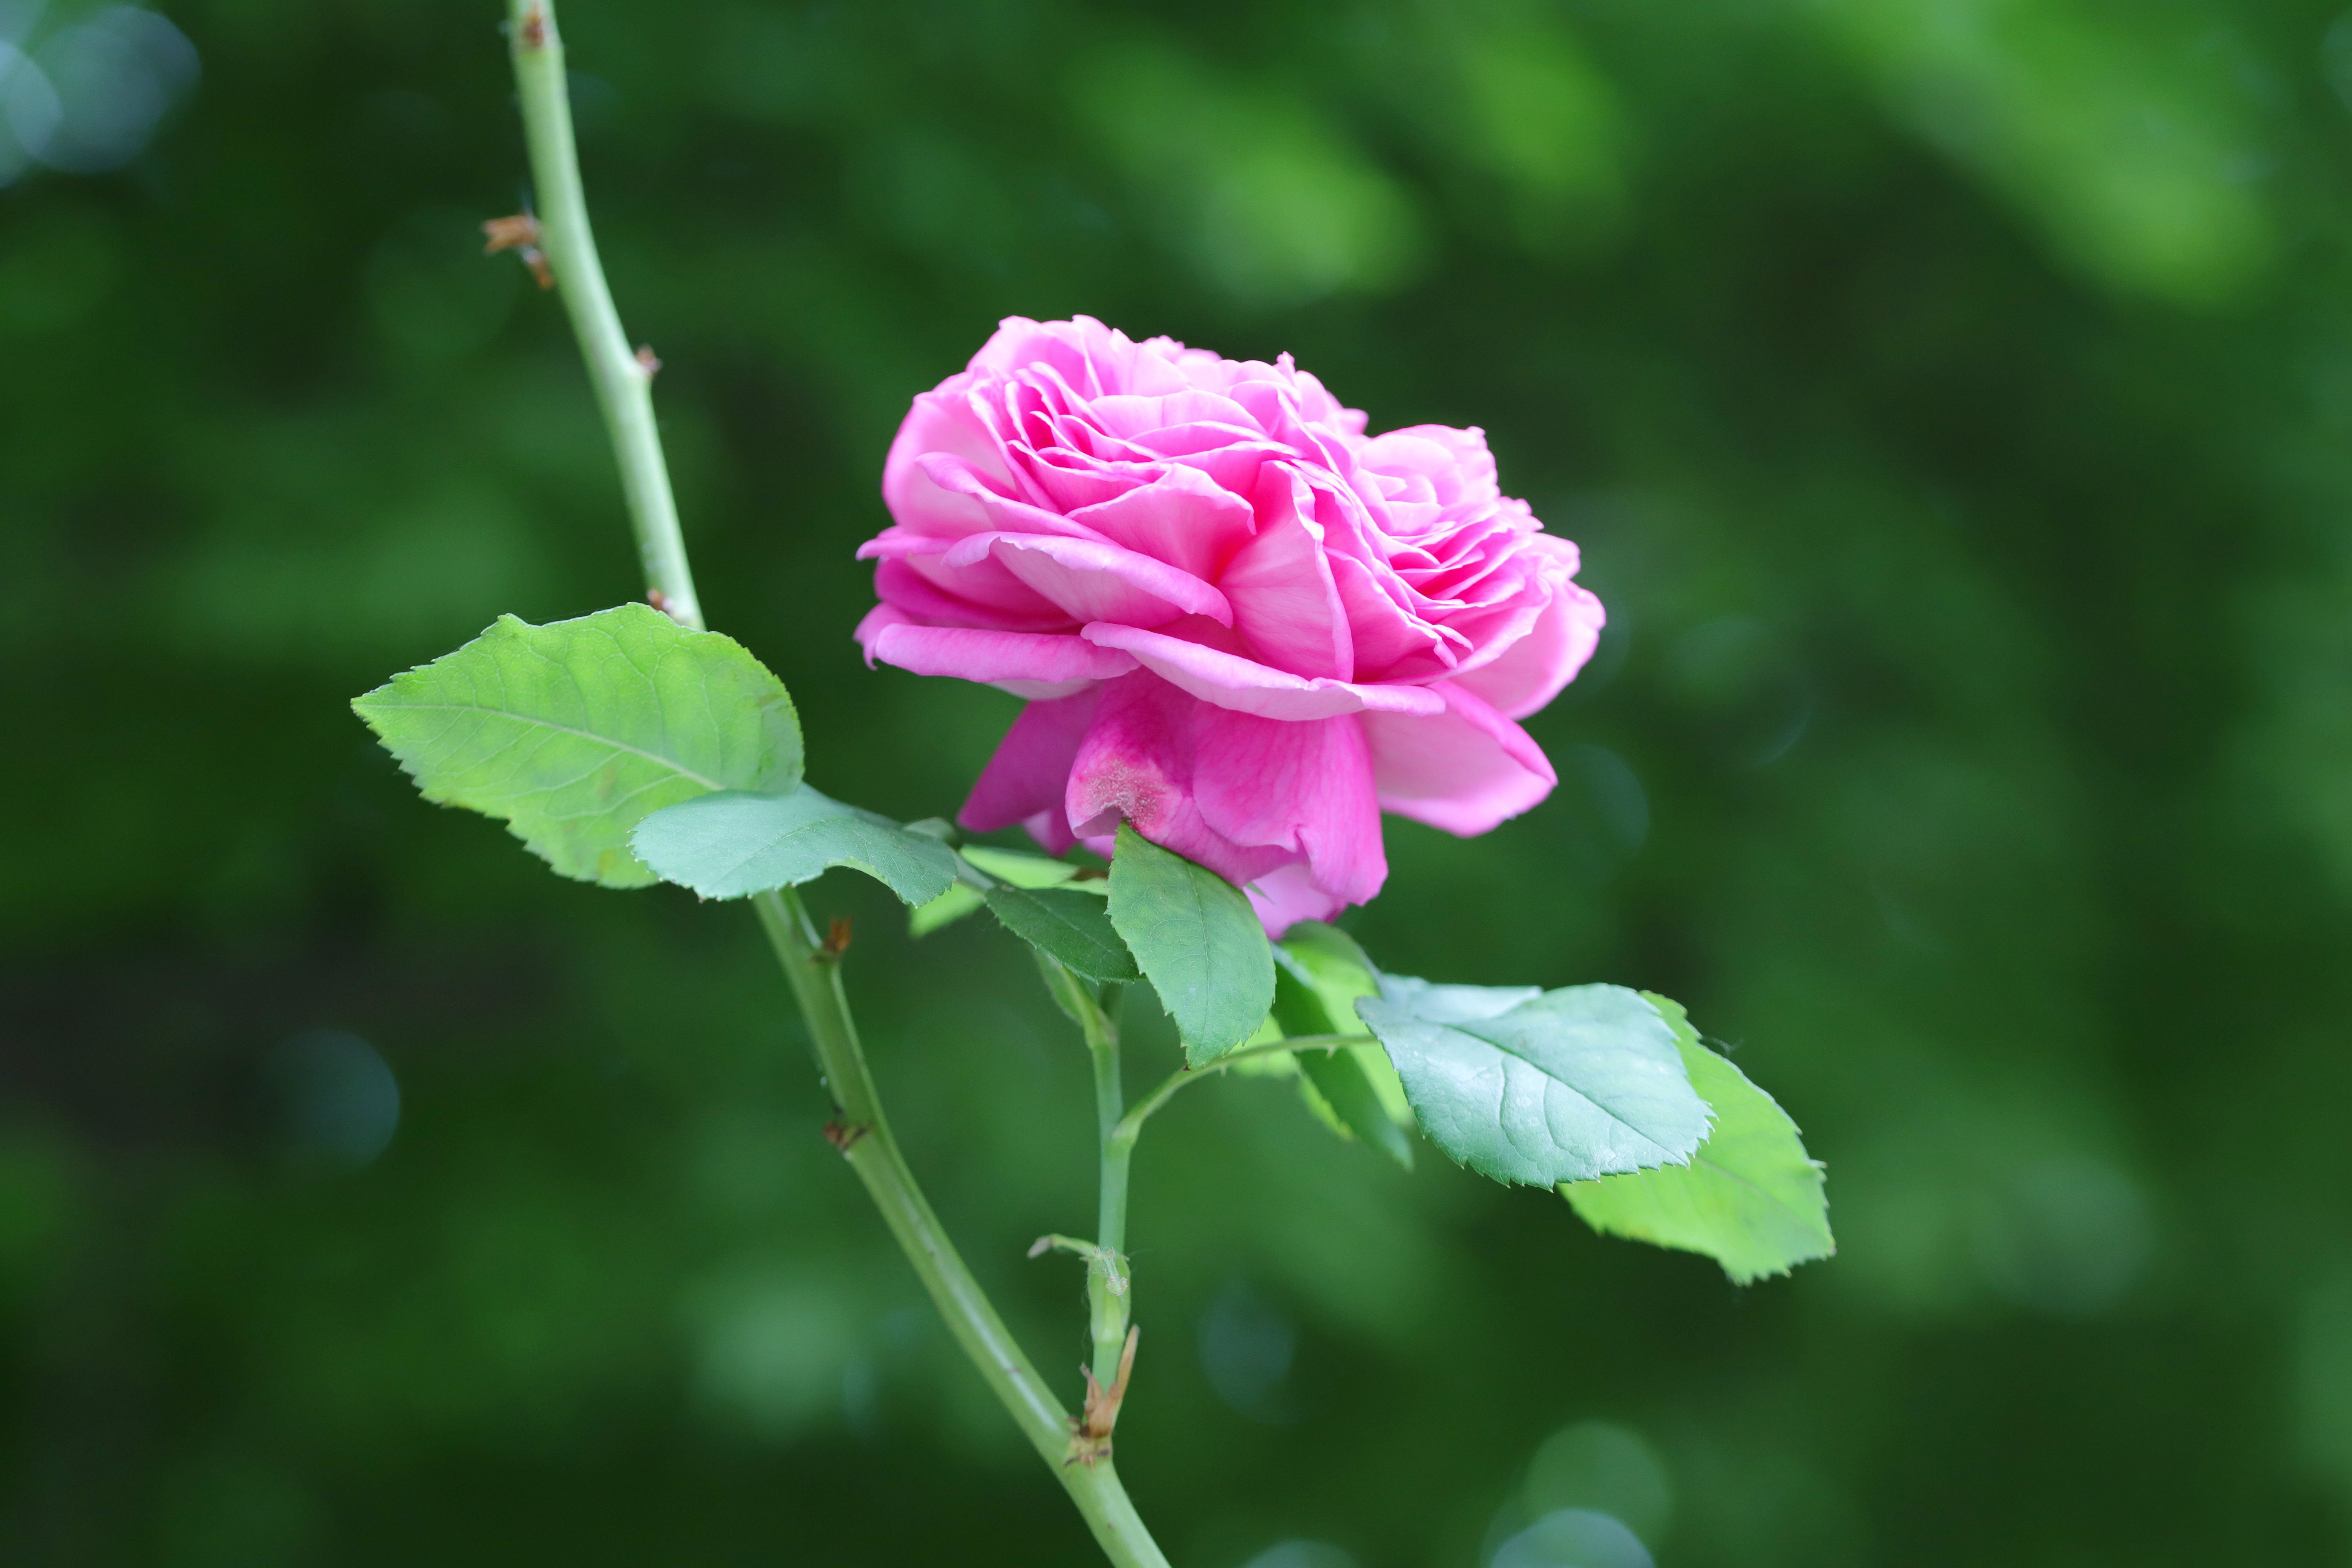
(862, 1133)
(1109, 1295)
(624, 381)
(1130, 1126)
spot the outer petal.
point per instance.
(1032, 765)
(1464, 771)
(942, 421)
(1035, 664)
(1247, 686)
(1530, 672)
(1093, 580)
(1288, 894)
(1301, 786)
(1136, 763)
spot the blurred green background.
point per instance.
(1954, 400)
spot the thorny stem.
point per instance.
(814, 969)
(624, 381)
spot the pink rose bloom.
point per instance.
(1240, 623)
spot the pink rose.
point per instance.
(1241, 624)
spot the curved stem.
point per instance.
(624, 381)
(1130, 1126)
(862, 1133)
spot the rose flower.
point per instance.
(1240, 623)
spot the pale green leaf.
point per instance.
(1539, 1087)
(734, 843)
(1035, 870)
(1750, 1198)
(571, 732)
(958, 900)
(1197, 940)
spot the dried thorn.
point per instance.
(1090, 1431)
(842, 1134)
(534, 28)
(837, 938)
(517, 232)
(658, 599)
(539, 270)
(646, 360)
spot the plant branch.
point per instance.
(1130, 1126)
(862, 1133)
(624, 380)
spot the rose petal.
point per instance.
(1093, 580)
(1301, 786)
(1247, 686)
(1285, 603)
(1136, 764)
(1032, 765)
(1529, 672)
(1027, 664)
(1183, 517)
(1463, 771)
(1288, 894)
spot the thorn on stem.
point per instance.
(836, 940)
(518, 234)
(645, 359)
(534, 27)
(842, 1134)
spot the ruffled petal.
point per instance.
(1305, 788)
(1247, 686)
(1092, 581)
(1530, 673)
(1136, 764)
(1465, 770)
(1183, 517)
(1286, 606)
(1032, 765)
(1033, 665)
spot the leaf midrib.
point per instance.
(674, 766)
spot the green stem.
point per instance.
(862, 1133)
(1110, 1291)
(624, 383)
(1130, 1126)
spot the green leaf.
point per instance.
(733, 844)
(1539, 1087)
(1071, 927)
(1750, 1198)
(949, 907)
(1034, 870)
(1318, 974)
(1338, 1076)
(1197, 940)
(571, 733)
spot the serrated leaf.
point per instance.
(1197, 940)
(1034, 870)
(1751, 1197)
(573, 732)
(1071, 928)
(1543, 1087)
(734, 843)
